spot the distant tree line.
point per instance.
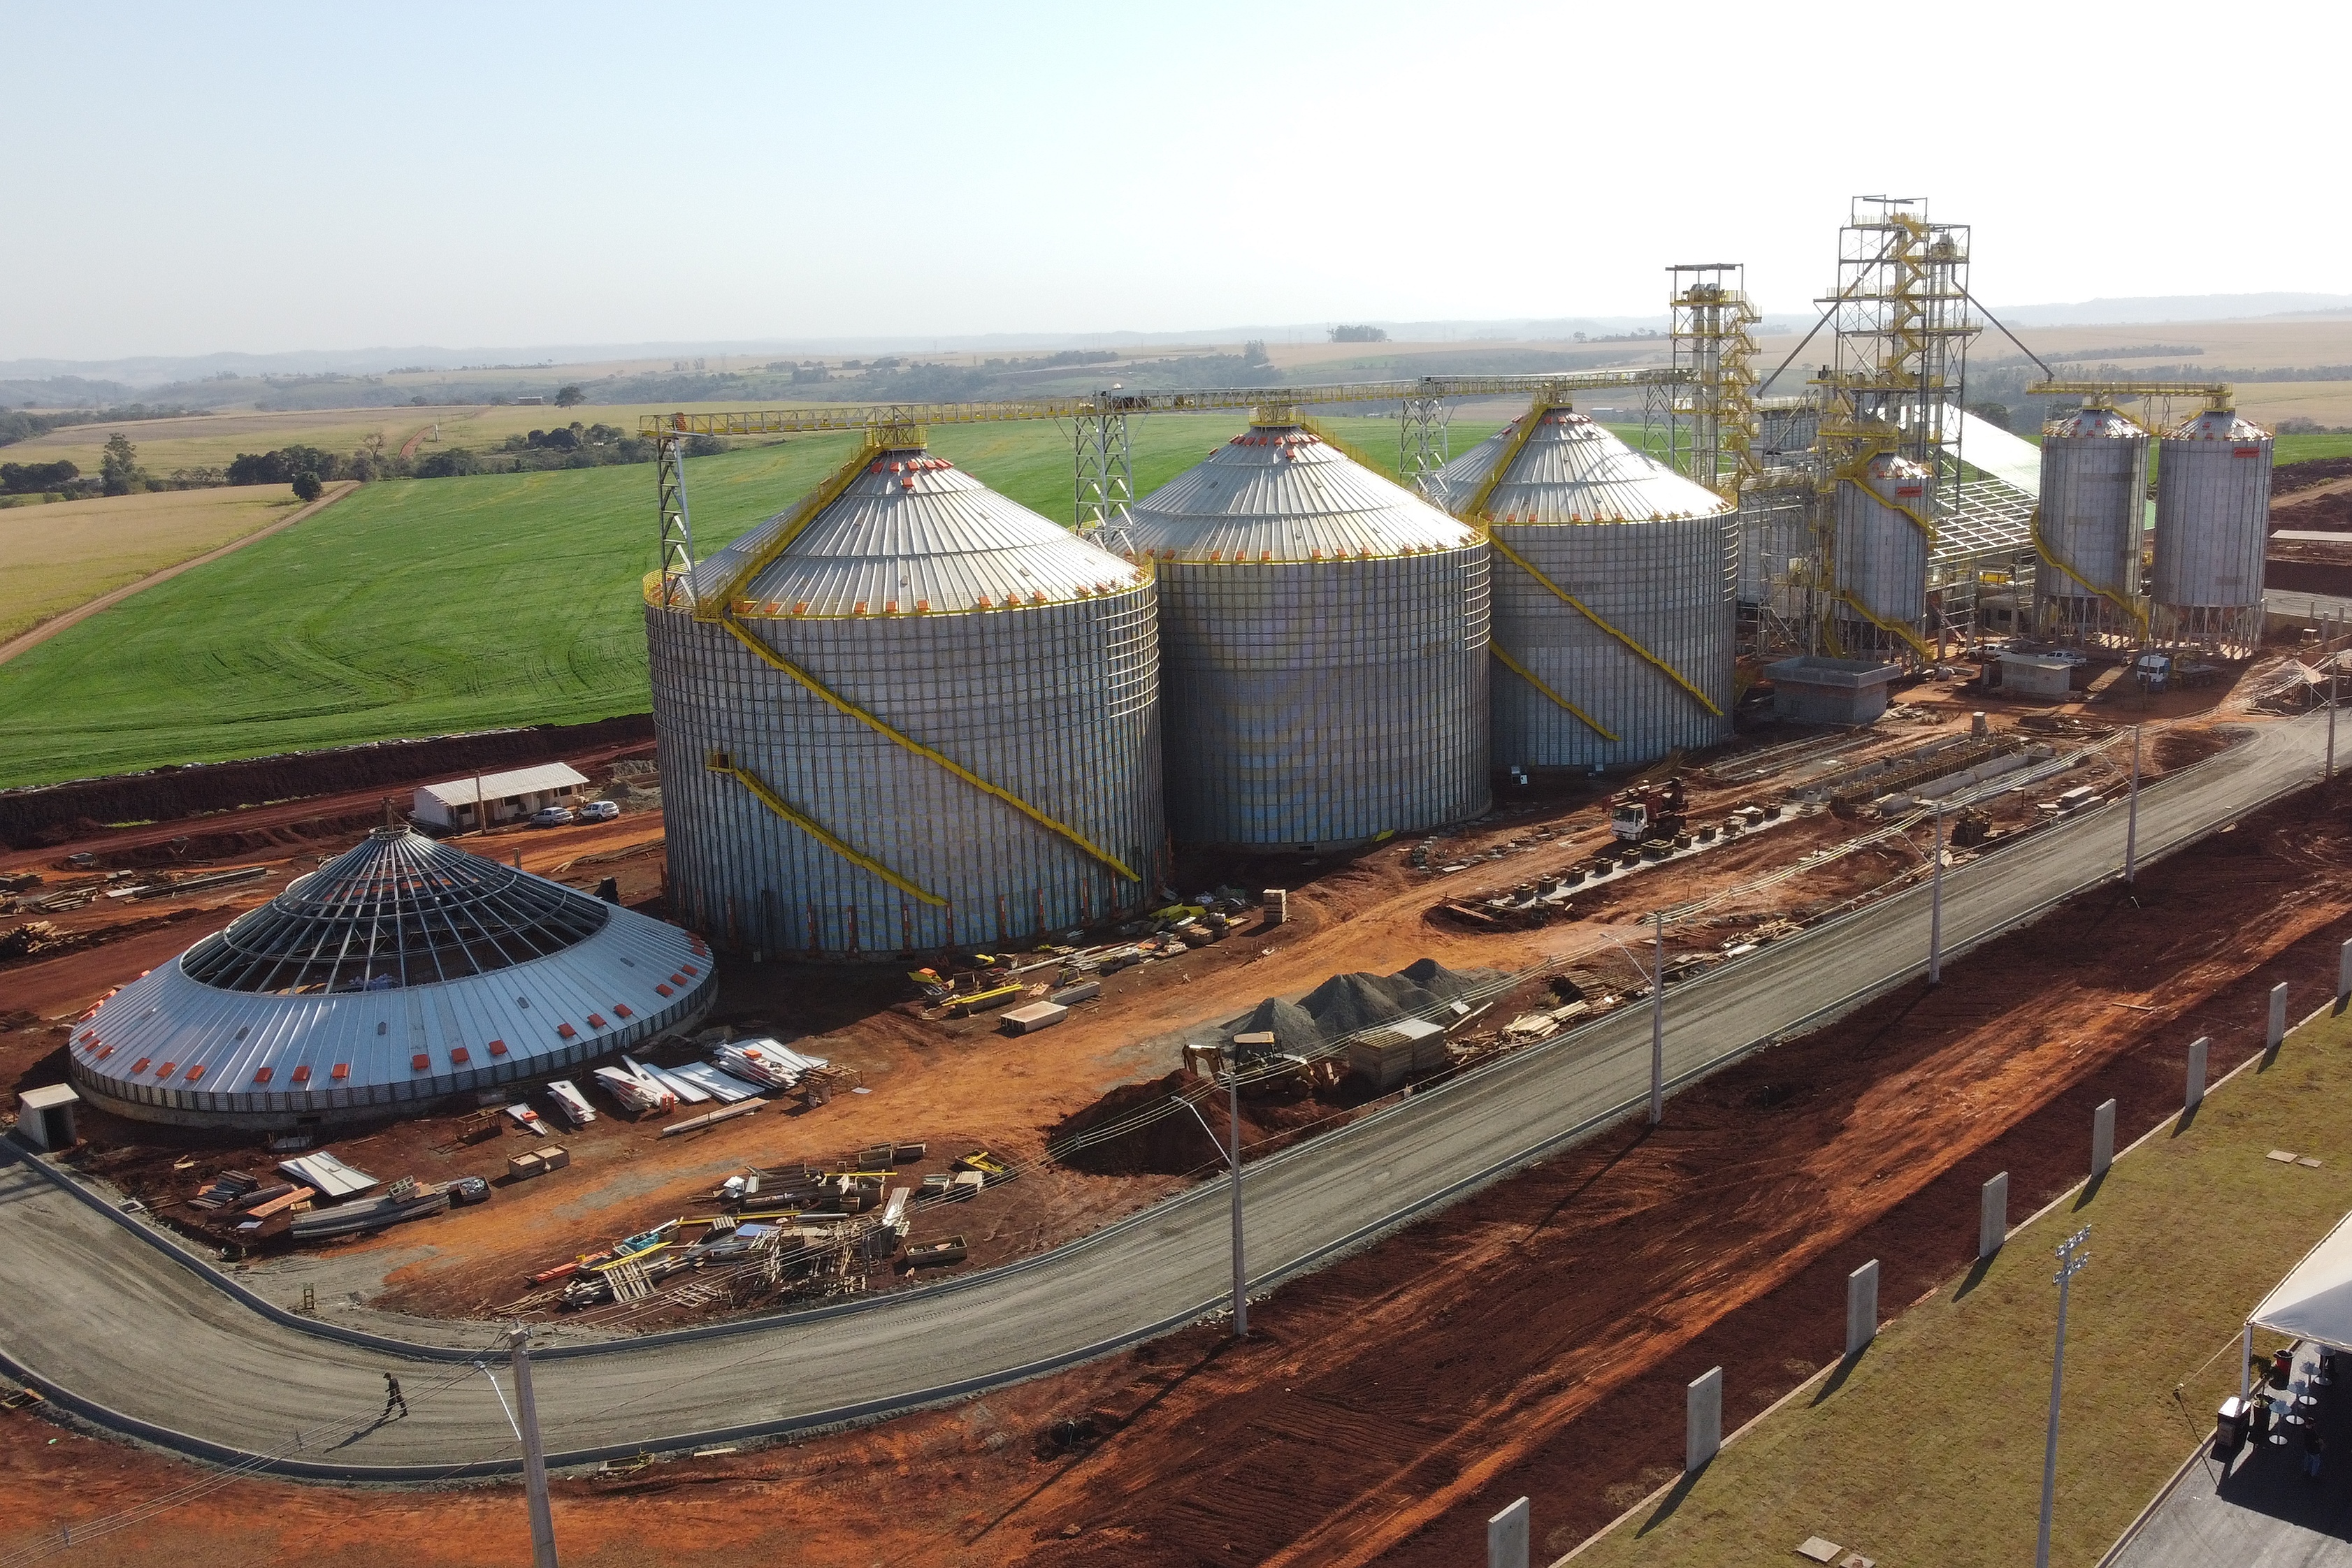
(23, 425)
(1359, 334)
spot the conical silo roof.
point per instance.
(1281, 492)
(399, 910)
(1571, 470)
(912, 534)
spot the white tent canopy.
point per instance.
(2315, 1300)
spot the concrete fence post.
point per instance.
(2343, 974)
(1860, 1307)
(1992, 1216)
(2103, 1139)
(2277, 1031)
(1507, 1537)
(2196, 1095)
(1703, 1434)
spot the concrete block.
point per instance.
(1815, 690)
(2344, 975)
(2103, 1139)
(1992, 1216)
(1507, 1537)
(1860, 1307)
(2196, 1094)
(2277, 1031)
(1703, 1422)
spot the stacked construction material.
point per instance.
(635, 1091)
(570, 1103)
(766, 1063)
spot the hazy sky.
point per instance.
(193, 178)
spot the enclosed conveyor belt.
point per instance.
(883, 727)
(724, 762)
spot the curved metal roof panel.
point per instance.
(428, 1010)
(1280, 493)
(2218, 424)
(914, 535)
(1571, 470)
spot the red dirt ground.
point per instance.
(1532, 1341)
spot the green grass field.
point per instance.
(431, 606)
(1929, 1451)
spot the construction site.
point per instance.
(985, 892)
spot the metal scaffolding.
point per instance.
(1900, 318)
(1712, 348)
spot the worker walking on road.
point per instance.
(392, 1399)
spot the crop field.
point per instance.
(423, 607)
(210, 440)
(53, 558)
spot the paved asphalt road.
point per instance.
(101, 1314)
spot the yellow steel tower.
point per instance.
(1888, 447)
(1713, 348)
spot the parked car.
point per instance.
(469, 1190)
(551, 817)
(598, 812)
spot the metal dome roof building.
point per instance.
(2213, 526)
(398, 973)
(1616, 594)
(2093, 503)
(1324, 632)
(906, 714)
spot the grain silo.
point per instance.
(1615, 594)
(2087, 528)
(2212, 522)
(1323, 632)
(1879, 557)
(907, 715)
(401, 972)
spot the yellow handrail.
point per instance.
(722, 762)
(1918, 644)
(2041, 549)
(1529, 676)
(884, 728)
(1516, 559)
(714, 605)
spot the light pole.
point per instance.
(1233, 1160)
(2131, 818)
(1936, 907)
(1658, 1027)
(534, 1456)
(2070, 1259)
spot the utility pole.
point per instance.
(2070, 1259)
(1658, 1027)
(1936, 907)
(1241, 1273)
(2331, 718)
(2131, 819)
(534, 1456)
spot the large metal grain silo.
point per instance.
(1879, 551)
(1615, 593)
(2212, 520)
(1323, 638)
(2087, 529)
(906, 716)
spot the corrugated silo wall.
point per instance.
(2212, 522)
(1671, 585)
(2093, 491)
(1325, 703)
(1057, 705)
(1882, 558)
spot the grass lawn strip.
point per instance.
(1927, 1449)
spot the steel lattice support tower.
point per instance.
(1712, 346)
(1105, 470)
(1424, 432)
(1900, 317)
(677, 532)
